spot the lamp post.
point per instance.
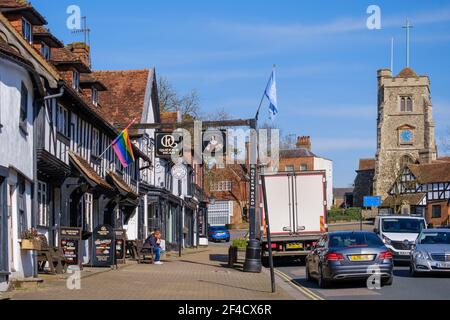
(253, 254)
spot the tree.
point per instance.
(171, 101)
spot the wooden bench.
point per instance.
(51, 256)
(144, 251)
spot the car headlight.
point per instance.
(386, 240)
(421, 255)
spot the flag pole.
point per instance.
(112, 143)
(262, 99)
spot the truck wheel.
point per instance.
(323, 283)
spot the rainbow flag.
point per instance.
(124, 149)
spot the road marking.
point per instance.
(310, 294)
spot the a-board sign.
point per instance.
(70, 242)
(103, 248)
(121, 249)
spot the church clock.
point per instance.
(406, 136)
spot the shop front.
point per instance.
(165, 213)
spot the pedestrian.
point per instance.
(155, 242)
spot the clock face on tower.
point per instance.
(406, 136)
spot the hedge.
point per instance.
(351, 214)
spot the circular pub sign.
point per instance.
(104, 245)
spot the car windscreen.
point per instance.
(435, 238)
(349, 240)
(393, 225)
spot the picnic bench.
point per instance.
(51, 256)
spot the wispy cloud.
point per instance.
(298, 31)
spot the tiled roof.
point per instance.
(407, 73)
(442, 159)
(13, 3)
(124, 100)
(341, 192)
(89, 79)
(24, 6)
(432, 172)
(121, 184)
(296, 153)
(40, 32)
(366, 164)
(88, 172)
(65, 56)
(412, 199)
(8, 50)
(169, 117)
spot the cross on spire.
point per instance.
(408, 28)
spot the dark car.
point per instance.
(217, 234)
(347, 256)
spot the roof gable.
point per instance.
(125, 98)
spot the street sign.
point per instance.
(179, 171)
(168, 144)
(214, 141)
(372, 201)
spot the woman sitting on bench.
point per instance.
(155, 242)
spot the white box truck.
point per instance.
(297, 210)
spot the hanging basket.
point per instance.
(30, 245)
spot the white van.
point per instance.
(399, 233)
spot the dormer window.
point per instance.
(45, 51)
(27, 30)
(406, 104)
(94, 97)
(75, 80)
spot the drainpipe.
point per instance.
(54, 96)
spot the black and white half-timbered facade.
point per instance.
(423, 189)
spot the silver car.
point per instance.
(431, 252)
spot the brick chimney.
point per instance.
(304, 142)
(82, 51)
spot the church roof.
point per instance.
(407, 73)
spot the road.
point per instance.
(405, 287)
(436, 287)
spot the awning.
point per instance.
(88, 173)
(413, 199)
(166, 195)
(122, 186)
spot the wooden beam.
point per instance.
(190, 124)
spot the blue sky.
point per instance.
(326, 58)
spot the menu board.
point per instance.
(120, 245)
(70, 240)
(103, 246)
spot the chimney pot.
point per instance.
(304, 142)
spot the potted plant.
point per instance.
(30, 240)
(238, 245)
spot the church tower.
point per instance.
(406, 130)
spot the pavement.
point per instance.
(198, 275)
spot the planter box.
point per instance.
(30, 245)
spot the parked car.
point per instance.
(399, 233)
(431, 252)
(218, 234)
(349, 255)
